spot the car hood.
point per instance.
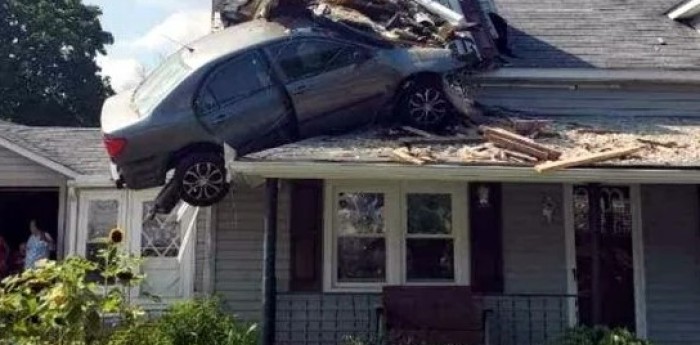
(118, 113)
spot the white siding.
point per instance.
(534, 252)
(239, 249)
(671, 223)
(18, 171)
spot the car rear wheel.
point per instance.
(425, 105)
(202, 179)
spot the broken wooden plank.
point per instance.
(587, 159)
(517, 146)
(441, 141)
(520, 156)
(419, 132)
(403, 155)
(519, 143)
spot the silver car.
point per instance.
(259, 85)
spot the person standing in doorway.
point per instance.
(4, 257)
(39, 245)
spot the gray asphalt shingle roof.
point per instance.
(598, 34)
(79, 149)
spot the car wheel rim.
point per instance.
(427, 106)
(203, 181)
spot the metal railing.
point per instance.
(334, 318)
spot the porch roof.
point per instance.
(573, 136)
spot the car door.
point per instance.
(241, 103)
(333, 85)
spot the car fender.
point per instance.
(415, 60)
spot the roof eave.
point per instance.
(687, 9)
(387, 171)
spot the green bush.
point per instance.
(139, 334)
(599, 336)
(204, 322)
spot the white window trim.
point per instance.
(395, 223)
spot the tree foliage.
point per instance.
(48, 73)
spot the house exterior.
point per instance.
(614, 243)
(61, 176)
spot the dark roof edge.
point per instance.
(689, 77)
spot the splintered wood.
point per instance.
(587, 159)
(404, 155)
(518, 143)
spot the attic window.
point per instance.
(687, 12)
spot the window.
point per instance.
(307, 58)
(160, 236)
(395, 234)
(159, 83)
(237, 79)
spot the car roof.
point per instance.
(231, 40)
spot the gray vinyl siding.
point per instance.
(671, 227)
(16, 171)
(534, 251)
(239, 249)
(201, 251)
(562, 101)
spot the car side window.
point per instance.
(306, 58)
(234, 80)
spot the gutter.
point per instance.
(386, 171)
(590, 75)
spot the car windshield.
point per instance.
(160, 83)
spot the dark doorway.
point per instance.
(605, 269)
(19, 206)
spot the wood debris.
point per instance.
(518, 143)
(441, 140)
(666, 144)
(404, 155)
(587, 159)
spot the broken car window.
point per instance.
(238, 79)
(306, 58)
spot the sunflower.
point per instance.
(116, 236)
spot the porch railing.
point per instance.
(335, 319)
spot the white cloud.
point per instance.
(176, 5)
(124, 73)
(183, 27)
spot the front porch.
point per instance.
(528, 256)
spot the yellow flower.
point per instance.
(116, 236)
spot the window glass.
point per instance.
(429, 242)
(306, 58)
(237, 79)
(361, 245)
(102, 218)
(160, 83)
(160, 237)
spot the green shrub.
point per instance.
(599, 336)
(139, 334)
(204, 322)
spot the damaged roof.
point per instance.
(79, 149)
(667, 142)
(597, 34)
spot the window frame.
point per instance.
(204, 85)
(286, 79)
(396, 232)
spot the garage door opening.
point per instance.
(18, 206)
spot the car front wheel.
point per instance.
(425, 105)
(202, 178)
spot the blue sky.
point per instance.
(143, 30)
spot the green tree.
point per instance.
(48, 73)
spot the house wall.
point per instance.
(671, 228)
(239, 249)
(18, 171)
(534, 263)
(563, 100)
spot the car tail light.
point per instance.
(114, 145)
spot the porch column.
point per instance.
(594, 224)
(267, 335)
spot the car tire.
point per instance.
(202, 179)
(425, 105)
